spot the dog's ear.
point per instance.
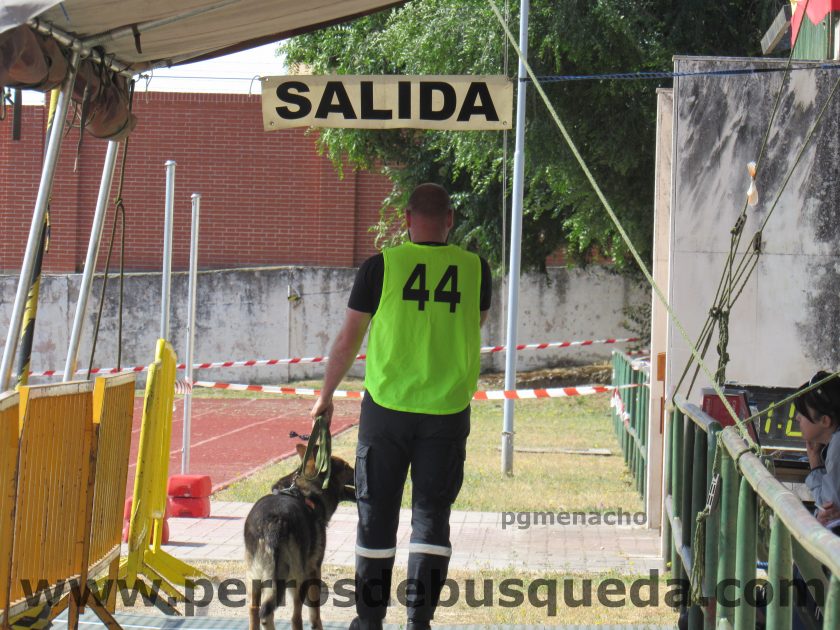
(309, 464)
(301, 450)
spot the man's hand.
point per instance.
(323, 407)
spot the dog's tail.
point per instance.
(262, 578)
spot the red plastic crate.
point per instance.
(195, 486)
(189, 507)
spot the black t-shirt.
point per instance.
(367, 288)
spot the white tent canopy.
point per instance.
(129, 36)
(154, 33)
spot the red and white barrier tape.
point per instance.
(500, 394)
(557, 344)
(361, 357)
(618, 405)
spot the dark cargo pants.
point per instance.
(433, 448)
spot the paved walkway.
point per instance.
(478, 538)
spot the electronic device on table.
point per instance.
(775, 430)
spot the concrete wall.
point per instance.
(786, 324)
(246, 314)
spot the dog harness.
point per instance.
(294, 491)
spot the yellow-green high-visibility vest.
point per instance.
(424, 345)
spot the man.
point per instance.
(425, 302)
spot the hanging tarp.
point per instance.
(162, 32)
(119, 37)
(16, 12)
(465, 103)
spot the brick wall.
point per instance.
(267, 198)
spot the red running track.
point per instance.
(231, 438)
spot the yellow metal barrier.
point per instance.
(145, 557)
(64, 454)
(49, 526)
(113, 410)
(113, 404)
(8, 469)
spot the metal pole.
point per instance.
(166, 270)
(27, 334)
(515, 244)
(37, 226)
(185, 443)
(90, 260)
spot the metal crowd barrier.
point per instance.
(145, 556)
(751, 518)
(630, 414)
(54, 452)
(63, 465)
(8, 489)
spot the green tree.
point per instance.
(611, 121)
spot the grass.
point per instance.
(546, 598)
(541, 482)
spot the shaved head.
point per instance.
(429, 200)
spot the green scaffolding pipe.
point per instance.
(780, 577)
(727, 539)
(832, 604)
(731, 542)
(815, 539)
(745, 557)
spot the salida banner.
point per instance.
(466, 103)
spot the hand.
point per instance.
(827, 513)
(814, 453)
(323, 407)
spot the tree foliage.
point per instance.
(611, 121)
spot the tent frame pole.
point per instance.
(90, 261)
(37, 225)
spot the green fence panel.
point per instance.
(733, 537)
(631, 427)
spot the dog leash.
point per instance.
(320, 433)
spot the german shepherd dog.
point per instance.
(285, 537)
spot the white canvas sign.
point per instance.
(467, 103)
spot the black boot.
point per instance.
(373, 589)
(429, 574)
(365, 624)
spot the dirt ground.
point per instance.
(564, 376)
